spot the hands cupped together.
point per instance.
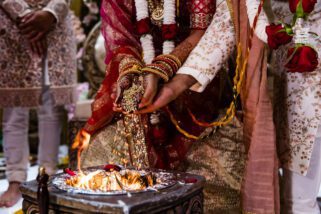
(154, 97)
(35, 26)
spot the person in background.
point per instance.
(37, 70)
(297, 105)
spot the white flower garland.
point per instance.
(147, 39)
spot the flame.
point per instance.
(112, 181)
(81, 142)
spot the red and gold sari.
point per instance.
(122, 40)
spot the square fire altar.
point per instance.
(183, 195)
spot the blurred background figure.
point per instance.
(38, 70)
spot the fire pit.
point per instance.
(157, 192)
(110, 181)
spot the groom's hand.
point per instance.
(169, 92)
(36, 25)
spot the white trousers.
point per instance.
(15, 138)
(300, 192)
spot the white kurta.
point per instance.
(218, 43)
(297, 100)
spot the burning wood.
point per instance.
(112, 179)
(105, 181)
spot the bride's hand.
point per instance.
(122, 84)
(150, 86)
(169, 92)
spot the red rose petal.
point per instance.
(277, 36)
(69, 172)
(305, 59)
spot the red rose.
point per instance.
(307, 6)
(277, 36)
(302, 59)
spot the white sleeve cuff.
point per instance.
(202, 79)
(25, 13)
(52, 12)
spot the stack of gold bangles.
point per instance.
(129, 65)
(165, 66)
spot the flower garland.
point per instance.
(169, 28)
(302, 57)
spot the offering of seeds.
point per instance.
(132, 96)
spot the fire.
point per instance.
(101, 180)
(81, 142)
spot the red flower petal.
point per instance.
(277, 36)
(307, 5)
(305, 59)
(69, 172)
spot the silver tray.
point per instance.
(167, 180)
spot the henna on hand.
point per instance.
(183, 50)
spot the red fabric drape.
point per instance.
(121, 40)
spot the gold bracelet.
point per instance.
(154, 71)
(172, 60)
(169, 69)
(135, 69)
(175, 58)
(128, 63)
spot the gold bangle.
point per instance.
(135, 69)
(172, 60)
(159, 67)
(168, 68)
(154, 71)
(175, 58)
(128, 63)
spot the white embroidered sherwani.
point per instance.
(217, 45)
(21, 71)
(297, 99)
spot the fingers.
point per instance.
(38, 36)
(33, 47)
(166, 95)
(39, 47)
(44, 44)
(117, 108)
(148, 97)
(27, 30)
(28, 22)
(31, 35)
(149, 109)
(151, 85)
(113, 94)
(119, 94)
(122, 84)
(27, 17)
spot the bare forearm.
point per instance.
(184, 48)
